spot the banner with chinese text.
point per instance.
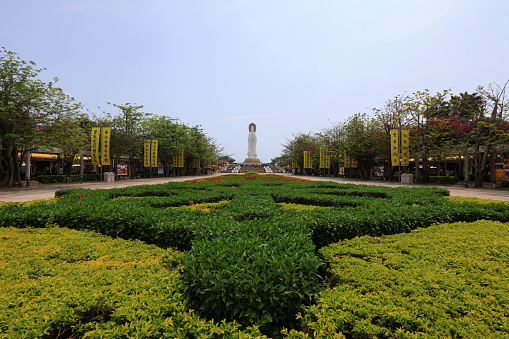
(196, 163)
(105, 146)
(400, 152)
(394, 147)
(153, 154)
(405, 147)
(94, 143)
(349, 162)
(146, 153)
(181, 157)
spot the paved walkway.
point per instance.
(48, 191)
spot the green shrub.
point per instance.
(160, 215)
(256, 273)
(445, 281)
(61, 283)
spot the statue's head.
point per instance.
(252, 127)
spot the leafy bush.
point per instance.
(256, 273)
(448, 280)
(61, 283)
(250, 231)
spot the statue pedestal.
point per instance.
(252, 161)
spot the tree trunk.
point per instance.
(481, 162)
(67, 170)
(425, 170)
(130, 168)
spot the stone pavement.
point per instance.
(18, 194)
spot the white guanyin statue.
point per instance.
(251, 142)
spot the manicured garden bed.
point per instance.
(256, 246)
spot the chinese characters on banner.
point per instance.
(349, 162)
(324, 158)
(146, 153)
(405, 148)
(196, 163)
(181, 157)
(94, 142)
(150, 153)
(100, 146)
(307, 159)
(398, 153)
(153, 156)
(105, 148)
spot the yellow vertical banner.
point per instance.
(153, 153)
(322, 157)
(105, 146)
(394, 147)
(405, 148)
(305, 159)
(347, 161)
(175, 161)
(327, 159)
(146, 153)
(181, 157)
(94, 144)
(350, 162)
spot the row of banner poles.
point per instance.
(150, 154)
(325, 159)
(178, 160)
(400, 148)
(350, 163)
(100, 147)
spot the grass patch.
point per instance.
(203, 207)
(476, 200)
(300, 207)
(448, 280)
(57, 282)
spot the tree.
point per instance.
(393, 115)
(428, 129)
(333, 138)
(363, 138)
(226, 158)
(171, 134)
(128, 133)
(483, 118)
(66, 128)
(294, 148)
(28, 109)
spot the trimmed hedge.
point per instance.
(446, 281)
(253, 273)
(60, 283)
(251, 235)
(52, 179)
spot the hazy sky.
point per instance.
(285, 65)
